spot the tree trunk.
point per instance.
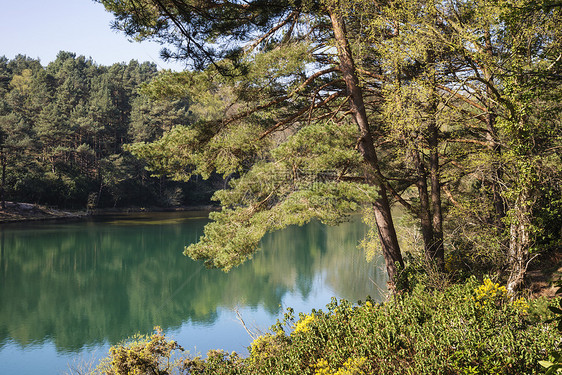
(424, 213)
(383, 216)
(492, 140)
(519, 241)
(437, 248)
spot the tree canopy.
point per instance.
(319, 109)
(63, 127)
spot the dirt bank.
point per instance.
(30, 212)
(18, 212)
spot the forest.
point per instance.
(62, 131)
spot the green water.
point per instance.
(69, 290)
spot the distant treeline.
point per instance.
(63, 127)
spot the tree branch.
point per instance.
(280, 99)
(293, 16)
(299, 113)
(463, 98)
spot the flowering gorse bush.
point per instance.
(141, 355)
(303, 325)
(422, 332)
(492, 294)
(350, 367)
(489, 293)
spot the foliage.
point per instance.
(280, 131)
(411, 100)
(140, 355)
(63, 128)
(425, 332)
(554, 365)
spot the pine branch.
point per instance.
(278, 100)
(298, 114)
(293, 16)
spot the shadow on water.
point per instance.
(86, 283)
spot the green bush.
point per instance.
(467, 329)
(554, 364)
(140, 355)
(471, 328)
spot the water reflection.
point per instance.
(82, 284)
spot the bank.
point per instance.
(21, 212)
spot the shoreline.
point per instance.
(17, 212)
(540, 276)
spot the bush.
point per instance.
(140, 355)
(471, 328)
(466, 329)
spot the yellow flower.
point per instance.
(489, 291)
(303, 324)
(521, 304)
(322, 367)
(350, 367)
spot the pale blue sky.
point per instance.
(41, 28)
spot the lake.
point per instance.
(70, 290)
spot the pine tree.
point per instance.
(280, 84)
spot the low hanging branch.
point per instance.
(280, 99)
(298, 114)
(290, 18)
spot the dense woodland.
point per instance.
(62, 131)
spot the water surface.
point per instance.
(69, 290)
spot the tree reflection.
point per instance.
(85, 283)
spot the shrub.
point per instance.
(141, 355)
(466, 329)
(554, 364)
(471, 328)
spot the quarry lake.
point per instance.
(70, 290)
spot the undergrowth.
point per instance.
(470, 328)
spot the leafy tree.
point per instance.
(506, 55)
(285, 126)
(450, 93)
(450, 72)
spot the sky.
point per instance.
(42, 28)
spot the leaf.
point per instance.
(546, 364)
